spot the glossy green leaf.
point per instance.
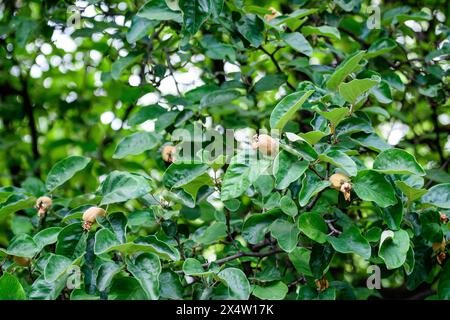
(313, 226)
(370, 185)
(341, 160)
(136, 143)
(286, 234)
(237, 283)
(438, 195)
(311, 185)
(64, 170)
(326, 31)
(146, 268)
(255, 226)
(397, 161)
(274, 291)
(297, 42)
(287, 168)
(287, 107)
(10, 288)
(351, 241)
(348, 66)
(352, 90)
(120, 186)
(394, 246)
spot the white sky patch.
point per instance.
(89, 12)
(95, 55)
(107, 117)
(116, 124)
(15, 71)
(63, 41)
(134, 80)
(148, 99)
(148, 125)
(55, 61)
(46, 49)
(42, 62)
(393, 132)
(231, 68)
(35, 71)
(186, 81)
(444, 119)
(413, 25)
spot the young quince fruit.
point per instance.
(43, 204)
(90, 215)
(341, 183)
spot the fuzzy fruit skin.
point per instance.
(337, 180)
(322, 284)
(342, 183)
(43, 204)
(22, 261)
(265, 144)
(168, 153)
(443, 217)
(273, 15)
(90, 215)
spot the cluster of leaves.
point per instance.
(224, 228)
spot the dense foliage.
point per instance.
(334, 121)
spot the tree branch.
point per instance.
(277, 65)
(243, 254)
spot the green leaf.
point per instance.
(47, 236)
(313, 226)
(71, 241)
(56, 267)
(46, 290)
(321, 256)
(288, 206)
(270, 82)
(146, 268)
(140, 27)
(287, 168)
(411, 193)
(170, 286)
(273, 291)
(23, 246)
(121, 186)
(10, 288)
(300, 259)
(158, 10)
(340, 160)
(393, 215)
(126, 288)
(397, 161)
(105, 273)
(15, 203)
(326, 31)
(106, 241)
(236, 180)
(146, 113)
(311, 185)
(352, 90)
(394, 246)
(193, 267)
(195, 13)
(286, 234)
(348, 66)
(136, 143)
(287, 107)
(438, 195)
(255, 226)
(237, 283)
(351, 241)
(297, 42)
(312, 137)
(123, 63)
(219, 97)
(64, 170)
(371, 141)
(444, 283)
(379, 47)
(335, 116)
(370, 185)
(180, 174)
(212, 233)
(252, 28)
